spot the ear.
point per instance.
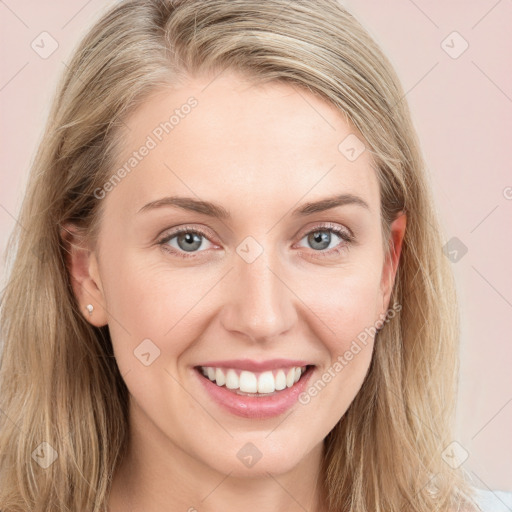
(392, 258)
(83, 271)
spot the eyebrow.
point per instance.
(218, 211)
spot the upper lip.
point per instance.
(255, 366)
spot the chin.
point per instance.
(253, 455)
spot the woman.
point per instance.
(228, 288)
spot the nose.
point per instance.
(258, 304)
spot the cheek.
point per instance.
(344, 310)
(346, 300)
(154, 301)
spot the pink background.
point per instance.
(462, 110)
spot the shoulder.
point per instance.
(493, 501)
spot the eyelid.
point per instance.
(341, 231)
(326, 226)
(173, 232)
(194, 228)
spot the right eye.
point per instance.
(183, 241)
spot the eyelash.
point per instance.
(343, 234)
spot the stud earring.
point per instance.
(90, 308)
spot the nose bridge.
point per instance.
(260, 305)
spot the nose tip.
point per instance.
(258, 304)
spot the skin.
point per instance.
(260, 152)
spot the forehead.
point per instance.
(227, 137)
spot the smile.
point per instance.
(254, 383)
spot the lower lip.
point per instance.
(252, 406)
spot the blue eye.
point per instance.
(320, 239)
(186, 242)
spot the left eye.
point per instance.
(320, 239)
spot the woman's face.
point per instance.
(257, 285)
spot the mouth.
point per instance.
(255, 384)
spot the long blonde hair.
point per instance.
(59, 381)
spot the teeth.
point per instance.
(290, 377)
(232, 380)
(280, 380)
(250, 382)
(220, 379)
(266, 383)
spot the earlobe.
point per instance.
(84, 276)
(392, 258)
